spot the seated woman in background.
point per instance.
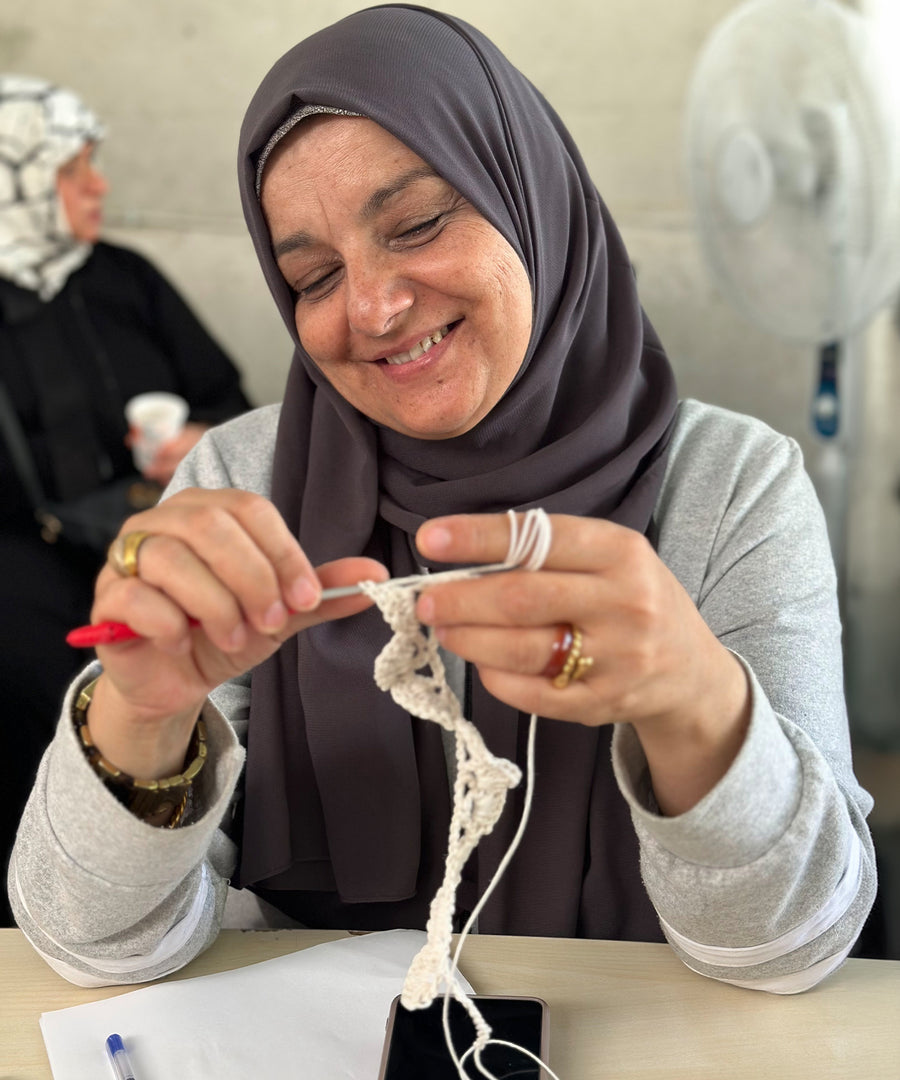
(468, 338)
(84, 326)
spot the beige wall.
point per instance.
(172, 77)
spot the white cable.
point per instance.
(470, 922)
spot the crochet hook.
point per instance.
(111, 633)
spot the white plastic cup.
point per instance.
(154, 418)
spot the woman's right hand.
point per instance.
(226, 559)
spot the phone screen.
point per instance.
(416, 1047)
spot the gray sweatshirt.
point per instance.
(765, 883)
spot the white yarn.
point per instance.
(411, 670)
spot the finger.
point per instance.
(170, 569)
(517, 598)
(245, 540)
(524, 653)
(220, 578)
(578, 543)
(341, 572)
(297, 579)
(578, 702)
(520, 651)
(150, 613)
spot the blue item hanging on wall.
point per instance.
(826, 404)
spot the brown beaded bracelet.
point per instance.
(161, 803)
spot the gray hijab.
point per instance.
(346, 798)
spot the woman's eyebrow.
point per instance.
(378, 198)
(375, 202)
(294, 242)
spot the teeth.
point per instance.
(419, 349)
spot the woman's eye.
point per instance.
(422, 229)
(317, 288)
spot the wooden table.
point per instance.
(618, 1010)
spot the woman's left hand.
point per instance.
(656, 664)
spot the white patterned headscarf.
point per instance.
(41, 127)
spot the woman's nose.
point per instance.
(376, 295)
(97, 182)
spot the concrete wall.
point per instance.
(172, 78)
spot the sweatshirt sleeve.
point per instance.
(143, 901)
(767, 881)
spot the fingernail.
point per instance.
(425, 609)
(303, 595)
(436, 539)
(275, 616)
(237, 639)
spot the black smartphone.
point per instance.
(415, 1047)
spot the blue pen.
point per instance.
(118, 1055)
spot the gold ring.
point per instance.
(123, 553)
(575, 666)
(584, 665)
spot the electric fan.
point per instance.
(793, 147)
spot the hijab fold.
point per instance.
(339, 779)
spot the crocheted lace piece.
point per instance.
(410, 668)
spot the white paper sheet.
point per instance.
(318, 1013)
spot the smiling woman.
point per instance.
(468, 338)
(410, 303)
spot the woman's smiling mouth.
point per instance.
(420, 348)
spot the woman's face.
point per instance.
(81, 189)
(412, 305)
